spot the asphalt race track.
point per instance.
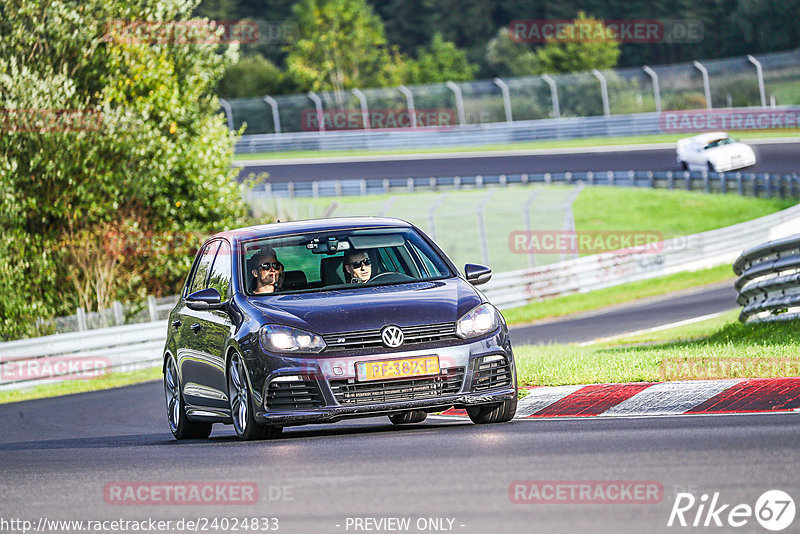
(58, 456)
(630, 317)
(777, 158)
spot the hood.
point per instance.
(367, 308)
(725, 152)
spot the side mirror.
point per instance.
(205, 299)
(477, 274)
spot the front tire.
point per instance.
(179, 424)
(493, 413)
(711, 167)
(407, 418)
(241, 406)
(684, 166)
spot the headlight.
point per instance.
(478, 321)
(277, 338)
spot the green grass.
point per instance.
(672, 213)
(715, 349)
(529, 145)
(67, 387)
(602, 298)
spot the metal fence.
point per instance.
(751, 81)
(479, 224)
(769, 280)
(743, 183)
(152, 309)
(90, 354)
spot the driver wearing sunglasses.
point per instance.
(357, 267)
(267, 272)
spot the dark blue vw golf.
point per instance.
(316, 321)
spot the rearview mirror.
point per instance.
(205, 299)
(477, 274)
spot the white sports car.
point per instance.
(714, 151)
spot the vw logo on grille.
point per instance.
(392, 336)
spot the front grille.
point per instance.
(293, 395)
(490, 374)
(370, 339)
(380, 391)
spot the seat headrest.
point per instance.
(294, 280)
(330, 270)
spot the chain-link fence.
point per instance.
(153, 309)
(763, 80)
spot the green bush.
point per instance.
(111, 207)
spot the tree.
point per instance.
(250, 77)
(440, 62)
(341, 45)
(106, 123)
(591, 48)
(509, 58)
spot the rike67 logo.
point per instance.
(774, 510)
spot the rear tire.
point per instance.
(493, 413)
(179, 423)
(684, 166)
(711, 167)
(407, 418)
(244, 422)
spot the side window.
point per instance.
(220, 278)
(203, 266)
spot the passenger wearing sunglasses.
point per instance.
(267, 272)
(357, 267)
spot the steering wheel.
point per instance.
(396, 277)
(377, 276)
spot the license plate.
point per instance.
(388, 369)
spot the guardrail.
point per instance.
(34, 361)
(133, 346)
(501, 133)
(769, 280)
(743, 183)
(687, 253)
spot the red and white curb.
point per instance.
(741, 395)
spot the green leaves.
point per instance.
(155, 156)
(598, 52)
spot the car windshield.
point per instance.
(719, 142)
(338, 260)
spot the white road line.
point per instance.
(654, 329)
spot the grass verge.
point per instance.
(715, 349)
(602, 298)
(529, 145)
(67, 387)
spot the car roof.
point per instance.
(310, 226)
(710, 136)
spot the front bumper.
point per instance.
(337, 413)
(482, 371)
